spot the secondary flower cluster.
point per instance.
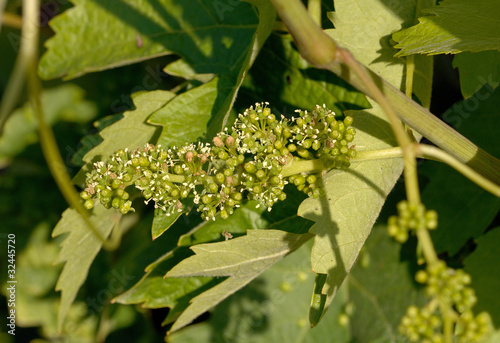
(446, 287)
(246, 161)
(451, 297)
(410, 217)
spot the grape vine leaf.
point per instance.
(225, 86)
(477, 70)
(185, 118)
(59, 103)
(465, 209)
(130, 132)
(272, 308)
(155, 291)
(484, 267)
(151, 289)
(453, 26)
(79, 249)
(242, 259)
(354, 197)
(162, 221)
(118, 34)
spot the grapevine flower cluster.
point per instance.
(246, 161)
(451, 297)
(447, 288)
(410, 217)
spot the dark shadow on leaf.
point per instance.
(335, 275)
(192, 29)
(374, 126)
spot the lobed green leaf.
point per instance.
(96, 35)
(451, 27)
(130, 132)
(243, 259)
(477, 70)
(272, 308)
(79, 249)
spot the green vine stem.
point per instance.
(2, 9)
(16, 80)
(425, 241)
(12, 20)
(321, 51)
(314, 8)
(29, 58)
(436, 154)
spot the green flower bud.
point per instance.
(421, 276)
(348, 121)
(88, 204)
(143, 161)
(115, 184)
(223, 155)
(307, 143)
(299, 180)
(250, 167)
(240, 159)
(106, 192)
(311, 179)
(175, 193)
(257, 189)
(116, 203)
(105, 200)
(260, 174)
(348, 137)
(213, 187)
(178, 170)
(220, 178)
